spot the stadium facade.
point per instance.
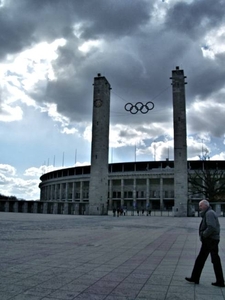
(131, 185)
(147, 185)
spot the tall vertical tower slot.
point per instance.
(98, 186)
(180, 143)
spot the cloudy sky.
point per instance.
(50, 51)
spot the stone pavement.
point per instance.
(102, 257)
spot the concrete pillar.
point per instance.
(76, 209)
(122, 192)
(7, 206)
(45, 208)
(110, 194)
(161, 193)
(66, 192)
(56, 192)
(48, 193)
(35, 207)
(147, 194)
(51, 192)
(55, 208)
(25, 207)
(73, 192)
(60, 192)
(66, 208)
(81, 191)
(86, 209)
(134, 193)
(180, 144)
(98, 187)
(15, 207)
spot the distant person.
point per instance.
(114, 212)
(209, 232)
(149, 212)
(143, 211)
(138, 212)
(118, 212)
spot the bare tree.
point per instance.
(210, 183)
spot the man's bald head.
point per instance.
(203, 204)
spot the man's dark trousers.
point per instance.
(208, 246)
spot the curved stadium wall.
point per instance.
(131, 185)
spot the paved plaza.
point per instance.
(102, 257)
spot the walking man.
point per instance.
(209, 233)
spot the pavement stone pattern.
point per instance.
(46, 257)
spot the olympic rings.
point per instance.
(139, 106)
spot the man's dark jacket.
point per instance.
(209, 227)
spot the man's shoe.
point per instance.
(218, 284)
(192, 280)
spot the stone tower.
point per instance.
(180, 144)
(98, 186)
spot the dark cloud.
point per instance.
(71, 98)
(23, 23)
(195, 18)
(207, 119)
(137, 57)
(113, 18)
(206, 80)
(28, 21)
(15, 32)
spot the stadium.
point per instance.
(132, 186)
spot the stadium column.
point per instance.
(135, 204)
(110, 194)
(73, 192)
(122, 192)
(56, 192)
(98, 186)
(51, 192)
(161, 193)
(81, 191)
(60, 191)
(147, 194)
(180, 143)
(66, 191)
